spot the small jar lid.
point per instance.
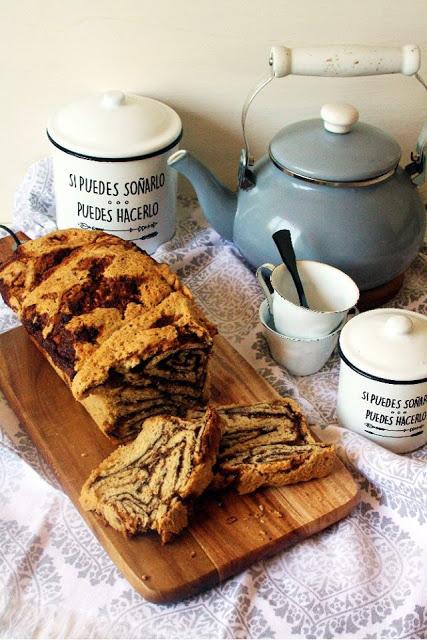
(390, 344)
(114, 125)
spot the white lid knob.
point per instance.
(339, 117)
(398, 325)
(112, 99)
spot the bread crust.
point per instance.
(135, 505)
(106, 315)
(268, 444)
(316, 462)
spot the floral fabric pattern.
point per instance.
(364, 577)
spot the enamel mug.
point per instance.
(330, 294)
(299, 356)
(382, 392)
(110, 154)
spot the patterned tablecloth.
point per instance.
(365, 577)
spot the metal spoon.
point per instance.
(283, 242)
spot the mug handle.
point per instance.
(265, 282)
(354, 311)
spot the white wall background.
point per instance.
(201, 57)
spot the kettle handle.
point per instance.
(336, 61)
(345, 60)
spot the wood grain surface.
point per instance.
(228, 532)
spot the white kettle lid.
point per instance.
(114, 125)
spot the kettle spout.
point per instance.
(218, 203)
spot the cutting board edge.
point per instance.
(156, 596)
(220, 575)
(293, 537)
(209, 578)
(235, 567)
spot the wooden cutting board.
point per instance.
(228, 532)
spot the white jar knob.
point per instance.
(398, 325)
(112, 99)
(339, 117)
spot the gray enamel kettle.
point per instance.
(334, 182)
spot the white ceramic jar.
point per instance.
(110, 154)
(382, 392)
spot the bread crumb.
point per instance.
(193, 554)
(231, 519)
(261, 508)
(145, 577)
(83, 455)
(261, 521)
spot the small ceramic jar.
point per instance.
(110, 154)
(382, 392)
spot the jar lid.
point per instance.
(390, 344)
(335, 148)
(114, 125)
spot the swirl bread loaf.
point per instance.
(267, 444)
(151, 482)
(119, 328)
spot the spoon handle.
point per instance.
(283, 241)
